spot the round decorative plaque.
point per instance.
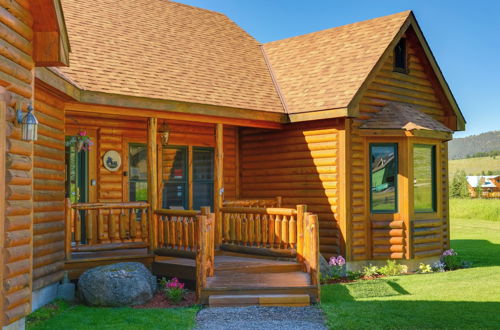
(112, 160)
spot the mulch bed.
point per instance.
(160, 301)
(347, 280)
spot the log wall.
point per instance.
(16, 170)
(48, 184)
(418, 87)
(115, 134)
(301, 164)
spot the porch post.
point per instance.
(219, 181)
(152, 180)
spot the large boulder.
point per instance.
(120, 284)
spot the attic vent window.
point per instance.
(400, 57)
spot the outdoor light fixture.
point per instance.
(164, 133)
(29, 124)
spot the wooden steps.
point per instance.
(244, 280)
(290, 300)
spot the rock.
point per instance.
(120, 284)
(324, 267)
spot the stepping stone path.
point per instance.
(258, 317)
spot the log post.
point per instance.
(219, 181)
(152, 180)
(314, 252)
(301, 210)
(201, 266)
(67, 234)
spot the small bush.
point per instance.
(173, 289)
(353, 276)
(453, 261)
(424, 269)
(370, 271)
(438, 266)
(392, 268)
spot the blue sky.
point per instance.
(464, 36)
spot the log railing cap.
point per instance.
(259, 210)
(184, 213)
(97, 206)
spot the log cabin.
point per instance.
(165, 134)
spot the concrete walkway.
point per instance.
(259, 318)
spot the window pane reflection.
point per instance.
(383, 177)
(424, 178)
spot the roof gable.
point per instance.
(324, 70)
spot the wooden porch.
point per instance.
(242, 255)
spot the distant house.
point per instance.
(490, 185)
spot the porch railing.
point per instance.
(93, 226)
(177, 229)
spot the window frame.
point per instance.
(129, 177)
(193, 180)
(186, 181)
(396, 183)
(433, 147)
(396, 68)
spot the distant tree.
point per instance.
(479, 188)
(490, 172)
(458, 185)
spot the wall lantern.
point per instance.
(29, 124)
(164, 133)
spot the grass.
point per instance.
(460, 299)
(467, 208)
(83, 317)
(475, 166)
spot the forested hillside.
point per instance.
(471, 145)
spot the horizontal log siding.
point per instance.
(16, 67)
(48, 199)
(115, 134)
(446, 207)
(418, 88)
(299, 163)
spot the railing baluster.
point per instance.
(78, 227)
(185, 233)
(270, 232)
(284, 232)
(264, 226)
(123, 228)
(161, 230)
(144, 225)
(257, 230)
(292, 232)
(132, 224)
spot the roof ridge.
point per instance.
(194, 7)
(407, 12)
(274, 79)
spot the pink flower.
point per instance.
(82, 133)
(449, 252)
(340, 261)
(333, 261)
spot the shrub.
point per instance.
(438, 266)
(173, 289)
(370, 271)
(453, 261)
(392, 268)
(423, 268)
(354, 275)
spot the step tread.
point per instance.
(260, 300)
(258, 280)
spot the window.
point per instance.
(383, 177)
(138, 172)
(203, 177)
(400, 57)
(175, 179)
(424, 178)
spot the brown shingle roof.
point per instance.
(323, 70)
(403, 116)
(166, 50)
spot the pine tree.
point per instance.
(458, 185)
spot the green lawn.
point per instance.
(468, 208)
(83, 317)
(460, 299)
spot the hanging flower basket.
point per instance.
(81, 141)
